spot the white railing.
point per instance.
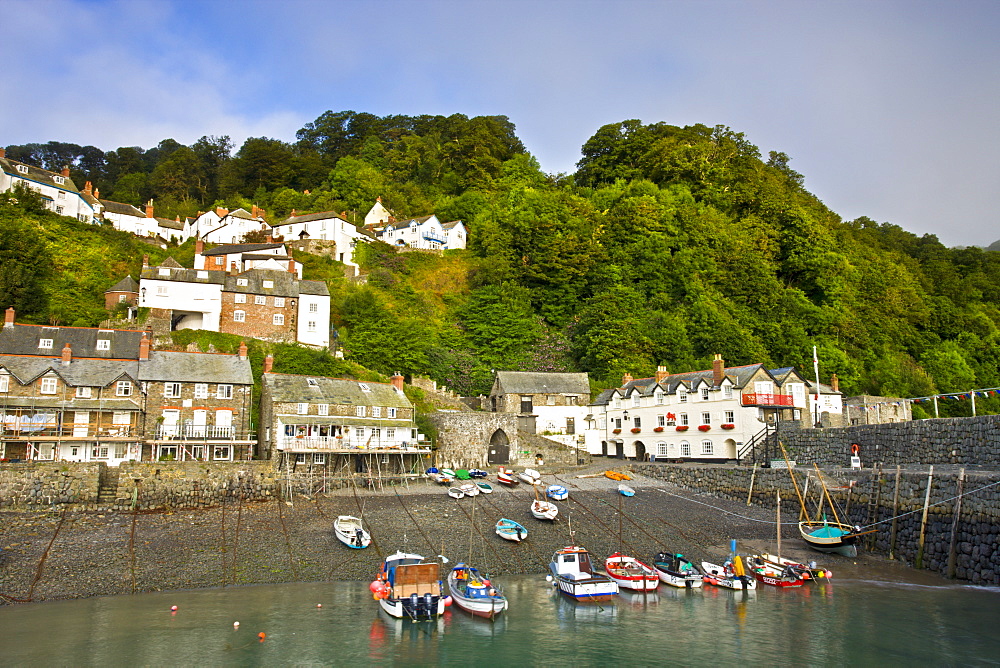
(334, 443)
(194, 431)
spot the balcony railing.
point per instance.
(67, 431)
(431, 235)
(334, 443)
(195, 431)
(762, 399)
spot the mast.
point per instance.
(778, 492)
(816, 393)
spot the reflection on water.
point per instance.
(833, 623)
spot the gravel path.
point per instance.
(95, 554)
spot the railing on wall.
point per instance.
(761, 448)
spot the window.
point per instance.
(268, 284)
(242, 282)
(730, 417)
(59, 210)
(319, 458)
(171, 390)
(45, 343)
(59, 180)
(163, 271)
(202, 274)
(303, 408)
(120, 450)
(323, 409)
(313, 308)
(201, 390)
(526, 404)
(81, 392)
(122, 298)
(99, 453)
(279, 302)
(161, 290)
(197, 452)
(5, 383)
(278, 319)
(706, 418)
(659, 398)
(311, 326)
(22, 169)
(104, 344)
(390, 433)
(704, 394)
(123, 389)
(221, 452)
(60, 194)
(239, 316)
(260, 299)
(637, 423)
(300, 458)
(727, 391)
(121, 418)
(682, 395)
(224, 392)
(375, 432)
(240, 298)
(49, 386)
(684, 419)
(571, 400)
(376, 411)
(364, 387)
(636, 399)
(661, 449)
(685, 449)
(618, 423)
(359, 411)
(661, 421)
(706, 447)
(391, 412)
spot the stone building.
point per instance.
(551, 404)
(866, 409)
(472, 439)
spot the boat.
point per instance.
(615, 475)
(462, 474)
(625, 490)
(630, 573)
(455, 493)
(350, 532)
(544, 510)
(474, 593)
(484, 487)
(511, 530)
(557, 492)
(677, 570)
(575, 577)
(448, 472)
(469, 489)
(731, 575)
(530, 476)
(810, 570)
(775, 575)
(507, 477)
(477, 473)
(407, 587)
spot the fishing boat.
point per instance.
(469, 489)
(574, 575)
(530, 476)
(407, 587)
(455, 493)
(625, 490)
(507, 477)
(810, 570)
(677, 570)
(474, 593)
(630, 573)
(775, 575)
(484, 487)
(350, 532)
(544, 510)
(557, 492)
(731, 575)
(511, 530)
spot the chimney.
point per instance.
(177, 218)
(149, 209)
(97, 193)
(243, 350)
(145, 261)
(661, 373)
(67, 354)
(233, 269)
(65, 172)
(293, 214)
(88, 188)
(199, 247)
(291, 266)
(835, 383)
(379, 199)
(270, 239)
(397, 381)
(8, 317)
(144, 348)
(268, 363)
(253, 211)
(3, 152)
(626, 379)
(221, 213)
(718, 370)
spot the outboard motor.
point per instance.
(429, 605)
(414, 604)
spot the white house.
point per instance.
(425, 232)
(189, 298)
(243, 257)
(551, 404)
(456, 236)
(378, 215)
(222, 226)
(57, 190)
(128, 218)
(324, 232)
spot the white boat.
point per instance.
(526, 476)
(544, 510)
(507, 477)
(677, 571)
(625, 490)
(469, 489)
(574, 575)
(511, 530)
(630, 573)
(557, 492)
(409, 588)
(473, 592)
(729, 576)
(350, 532)
(484, 487)
(455, 493)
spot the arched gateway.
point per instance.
(499, 450)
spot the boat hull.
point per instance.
(829, 538)
(350, 532)
(630, 573)
(483, 606)
(590, 589)
(511, 530)
(677, 572)
(718, 576)
(543, 510)
(404, 608)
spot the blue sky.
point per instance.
(890, 109)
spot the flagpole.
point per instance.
(816, 396)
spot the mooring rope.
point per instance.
(931, 505)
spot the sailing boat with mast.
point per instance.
(771, 572)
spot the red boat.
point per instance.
(769, 573)
(630, 573)
(507, 477)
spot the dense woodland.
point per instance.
(666, 246)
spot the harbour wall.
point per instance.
(959, 537)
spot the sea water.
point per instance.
(841, 622)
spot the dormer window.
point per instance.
(636, 399)
(704, 394)
(268, 284)
(241, 282)
(682, 395)
(59, 180)
(45, 344)
(104, 344)
(163, 271)
(727, 391)
(22, 169)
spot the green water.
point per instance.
(845, 622)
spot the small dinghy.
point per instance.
(484, 487)
(530, 476)
(677, 571)
(507, 477)
(630, 573)
(544, 510)
(469, 489)
(462, 474)
(776, 575)
(511, 530)
(731, 575)
(473, 592)
(477, 473)
(350, 532)
(557, 492)
(615, 475)
(448, 472)
(625, 490)
(455, 493)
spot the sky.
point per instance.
(889, 108)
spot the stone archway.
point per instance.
(499, 449)
(640, 451)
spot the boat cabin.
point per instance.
(573, 562)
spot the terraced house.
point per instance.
(59, 194)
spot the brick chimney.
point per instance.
(199, 247)
(149, 209)
(718, 370)
(379, 199)
(397, 381)
(243, 350)
(661, 373)
(67, 354)
(268, 363)
(3, 152)
(626, 379)
(88, 188)
(145, 261)
(835, 383)
(8, 317)
(253, 211)
(221, 212)
(270, 239)
(291, 266)
(233, 269)
(292, 214)
(65, 172)
(97, 193)
(144, 348)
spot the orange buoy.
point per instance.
(262, 635)
(855, 449)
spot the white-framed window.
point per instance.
(659, 397)
(300, 458)
(278, 319)
(161, 290)
(685, 449)
(684, 419)
(239, 316)
(706, 418)
(313, 307)
(376, 411)
(221, 452)
(260, 299)
(682, 395)
(727, 391)
(197, 451)
(121, 418)
(661, 449)
(239, 298)
(82, 392)
(390, 433)
(311, 326)
(661, 420)
(49, 386)
(706, 447)
(268, 284)
(201, 390)
(730, 417)
(104, 344)
(45, 344)
(60, 194)
(22, 169)
(319, 458)
(100, 452)
(391, 412)
(163, 271)
(303, 408)
(5, 383)
(376, 432)
(172, 390)
(323, 409)
(704, 394)
(636, 400)
(241, 282)
(279, 302)
(123, 388)
(359, 411)
(224, 392)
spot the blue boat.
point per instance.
(557, 492)
(625, 490)
(511, 530)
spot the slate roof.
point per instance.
(285, 283)
(111, 206)
(310, 217)
(127, 284)
(289, 388)
(242, 213)
(164, 365)
(529, 382)
(232, 249)
(405, 222)
(451, 224)
(178, 273)
(169, 223)
(313, 288)
(38, 175)
(23, 340)
(78, 373)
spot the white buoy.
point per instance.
(319, 605)
(548, 578)
(236, 625)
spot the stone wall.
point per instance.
(149, 485)
(553, 453)
(43, 484)
(953, 441)
(464, 438)
(867, 500)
